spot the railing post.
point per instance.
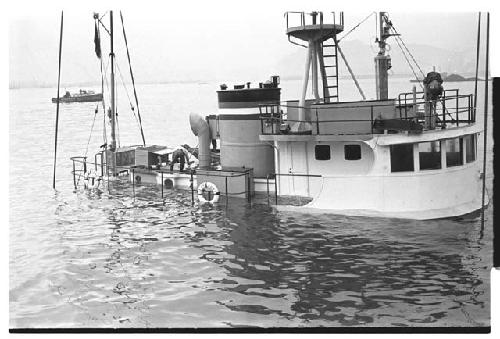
(371, 117)
(276, 187)
(102, 164)
(192, 188)
(249, 188)
(162, 200)
(133, 183)
(227, 197)
(84, 165)
(457, 106)
(317, 122)
(74, 179)
(267, 185)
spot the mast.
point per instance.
(382, 61)
(113, 110)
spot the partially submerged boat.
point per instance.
(412, 156)
(81, 96)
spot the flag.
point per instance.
(97, 42)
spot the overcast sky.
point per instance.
(219, 40)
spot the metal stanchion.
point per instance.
(162, 199)
(133, 183)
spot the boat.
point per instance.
(81, 96)
(412, 156)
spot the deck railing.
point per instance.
(83, 169)
(451, 109)
(312, 19)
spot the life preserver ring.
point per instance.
(91, 180)
(211, 189)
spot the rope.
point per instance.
(352, 29)
(133, 81)
(88, 143)
(57, 104)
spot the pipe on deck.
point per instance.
(200, 128)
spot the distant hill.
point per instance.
(360, 58)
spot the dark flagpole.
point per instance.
(478, 45)
(57, 103)
(486, 80)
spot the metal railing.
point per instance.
(275, 175)
(303, 16)
(453, 109)
(127, 170)
(455, 102)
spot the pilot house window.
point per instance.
(429, 155)
(454, 152)
(402, 158)
(352, 152)
(322, 152)
(470, 148)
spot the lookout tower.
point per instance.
(318, 34)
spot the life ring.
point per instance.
(213, 193)
(91, 180)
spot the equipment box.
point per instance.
(231, 181)
(145, 156)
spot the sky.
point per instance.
(197, 41)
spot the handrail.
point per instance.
(274, 175)
(461, 103)
(313, 14)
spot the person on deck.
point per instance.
(181, 156)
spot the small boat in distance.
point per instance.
(83, 96)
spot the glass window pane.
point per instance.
(322, 152)
(454, 152)
(402, 158)
(352, 152)
(429, 155)
(470, 148)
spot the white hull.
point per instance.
(422, 197)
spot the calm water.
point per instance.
(80, 259)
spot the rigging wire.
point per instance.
(398, 36)
(88, 141)
(57, 106)
(116, 118)
(128, 96)
(133, 81)
(361, 22)
(409, 64)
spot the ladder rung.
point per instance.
(328, 66)
(329, 55)
(334, 86)
(328, 45)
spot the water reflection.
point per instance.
(125, 261)
(333, 272)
